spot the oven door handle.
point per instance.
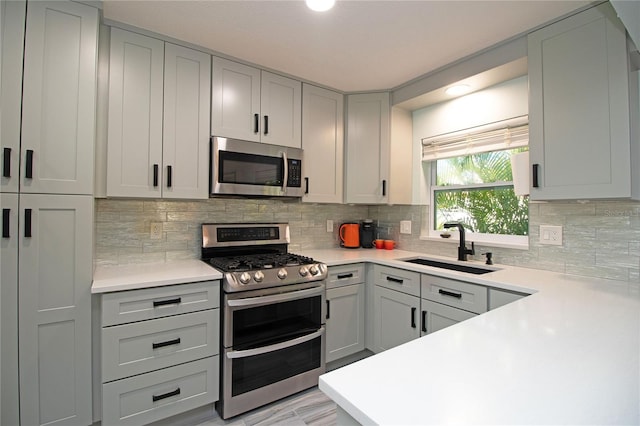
(276, 346)
(261, 300)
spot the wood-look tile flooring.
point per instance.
(310, 407)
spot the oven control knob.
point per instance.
(314, 270)
(258, 276)
(303, 271)
(245, 278)
(282, 274)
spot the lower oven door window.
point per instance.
(260, 326)
(256, 368)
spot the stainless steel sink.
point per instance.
(452, 266)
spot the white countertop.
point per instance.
(130, 277)
(567, 354)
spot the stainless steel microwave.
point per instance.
(256, 169)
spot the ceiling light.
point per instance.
(458, 89)
(320, 5)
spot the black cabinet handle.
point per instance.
(175, 301)
(169, 170)
(27, 223)
(256, 123)
(413, 317)
(384, 188)
(155, 175)
(395, 280)
(165, 343)
(424, 321)
(266, 124)
(306, 185)
(29, 166)
(450, 293)
(5, 223)
(165, 395)
(328, 309)
(6, 163)
(343, 276)
(536, 170)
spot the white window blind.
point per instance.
(506, 134)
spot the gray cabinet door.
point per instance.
(9, 308)
(436, 316)
(579, 108)
(134, 148)
(12, 39)
(396, 318)
(185, 146)
(281, 109)
(323, 144)
(345, 322)
(59, 98)
(55, 271)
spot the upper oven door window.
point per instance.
(259, 326)
(250, 169)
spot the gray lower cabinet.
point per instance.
(160, 351)
(345, 322)
(436, 316)
(499, 298)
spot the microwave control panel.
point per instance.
(295, 173)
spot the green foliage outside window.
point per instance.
(481, 194)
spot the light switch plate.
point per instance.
(405, 226)
(329, 225)
(551, 235)
(156, 230)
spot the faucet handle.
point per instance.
(472, 252)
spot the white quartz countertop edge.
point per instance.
(137, 276)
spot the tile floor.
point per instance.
(310, 407)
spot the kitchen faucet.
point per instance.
(463, 251)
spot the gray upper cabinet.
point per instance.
(323, 144)
(255, 105)
(158, 95)
(579, 108)
(59, 98)
(368, 146)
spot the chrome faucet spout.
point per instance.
(463, 251)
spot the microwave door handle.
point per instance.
(286, 172)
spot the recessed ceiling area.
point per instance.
(356, 46)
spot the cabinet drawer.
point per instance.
(153, 396)
(397, 279)
(467, 296)
(150, 345)
(150, 303)
(345, 275)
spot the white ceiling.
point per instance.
(359, 45)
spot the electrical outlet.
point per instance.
(156, 230)
(405, 226)
(329, 225)
(551, 235)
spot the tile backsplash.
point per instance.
(600, 238)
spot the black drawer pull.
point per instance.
(395, 280)
(424, 321)
(413, 317)
(27, 223)
(28, 173)
(384, 188)
(175, 301)
(306, 185)
(328, 309)
(450, 293)
(266, 124)
(5, 223)
(343, 276)
(165, 395)
(166, 343)
(6, 163)
(536, 171)
(169, 172)
(256, 123)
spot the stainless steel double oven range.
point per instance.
(273, 314)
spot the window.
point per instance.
(475, 187)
